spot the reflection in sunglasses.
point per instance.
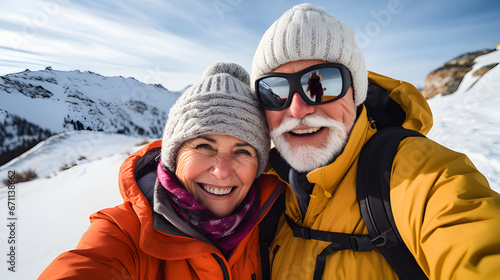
(269, 97)
(314, 86)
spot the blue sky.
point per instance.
(172, 42)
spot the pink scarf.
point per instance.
(226, 232)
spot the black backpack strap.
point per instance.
(373, 191)
(267, 229)
(339, 241)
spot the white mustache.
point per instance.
(290, 123)
(305, 158)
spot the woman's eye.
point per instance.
(244, 152)
(204, 146)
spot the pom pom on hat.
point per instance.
(232, 69)
(308, 32)
(221, 103)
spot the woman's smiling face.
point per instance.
(218, 170)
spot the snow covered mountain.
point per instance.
(36, 104)
(77, 170)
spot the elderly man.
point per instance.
(444, 209)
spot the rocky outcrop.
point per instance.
(445, 80)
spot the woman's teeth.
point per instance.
(217, 191)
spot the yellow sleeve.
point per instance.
(445, 211)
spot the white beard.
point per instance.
(307, 157)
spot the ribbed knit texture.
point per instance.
(221, 103)
(308, 32)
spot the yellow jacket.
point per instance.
(445, 211)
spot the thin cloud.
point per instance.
(85, 39)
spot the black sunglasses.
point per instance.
(318, 84)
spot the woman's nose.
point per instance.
(222, 168)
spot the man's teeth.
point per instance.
(217, 191)
(305, 131)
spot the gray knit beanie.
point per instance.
(221, 103)
(308, 32)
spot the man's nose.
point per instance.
(299, 108)
(222, 168)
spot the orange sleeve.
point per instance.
(105, 251)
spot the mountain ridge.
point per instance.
(52, 101)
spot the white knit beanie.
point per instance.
(308, 32)
(221, 103)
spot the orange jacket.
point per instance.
(123, 242)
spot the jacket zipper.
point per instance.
(223, 267)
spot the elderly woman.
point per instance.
(191, 210)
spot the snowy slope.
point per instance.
(53, 210)
(468, 120)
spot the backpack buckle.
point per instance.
(303, 233)
(362, 243)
